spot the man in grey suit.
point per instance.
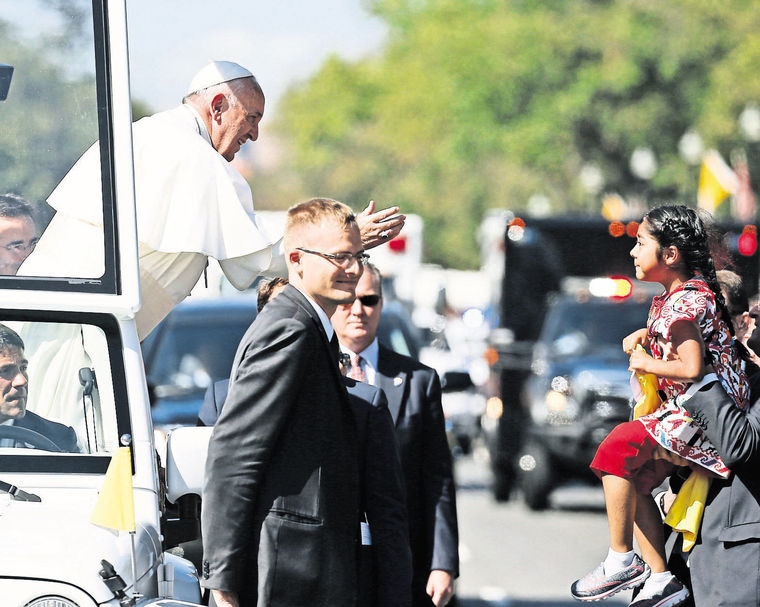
(414, 399)
(281, 503)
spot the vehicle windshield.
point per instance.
(58, 393)
(53, 108)
(574, 327)
(186, 357)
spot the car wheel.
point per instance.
(536, 476)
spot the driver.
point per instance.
(13, 393)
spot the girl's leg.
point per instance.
(620, 500)
(649, 533)
(622, 569)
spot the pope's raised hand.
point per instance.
(382, 226)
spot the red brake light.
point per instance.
(398, 244)
(616, 229)
(747, 244)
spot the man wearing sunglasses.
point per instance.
(414, 400)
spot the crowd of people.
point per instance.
(329, 479)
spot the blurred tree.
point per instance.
(484, 103)
(140, 109)
(49, 118)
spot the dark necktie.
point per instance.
(334, 347)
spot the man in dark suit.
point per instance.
(724, 564)
(13, 394)
(280, 510)
(414, 399)
(385, 559)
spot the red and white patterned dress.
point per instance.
(670, 425)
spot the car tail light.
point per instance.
(615, 287)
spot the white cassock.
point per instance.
(191, 204)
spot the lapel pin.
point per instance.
(397, 381)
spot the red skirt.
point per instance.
(628, 452)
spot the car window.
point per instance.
(189, 356)
(56, 109)
(60, 383)
(397, 334)
(574, 326)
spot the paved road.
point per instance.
(513, 557)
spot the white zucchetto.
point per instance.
(215, 73)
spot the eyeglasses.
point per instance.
(20, 247)
(369, 300)
(342, 260)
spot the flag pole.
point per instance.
(134, 565)
(126, 441)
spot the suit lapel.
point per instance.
(392, 380)
(306, 306)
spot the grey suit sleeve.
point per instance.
(386, 509)
(261, 395)
(735, 433)
(439, 483)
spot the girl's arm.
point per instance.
(637, 337)
(688, 366)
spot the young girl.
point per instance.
(689, 335)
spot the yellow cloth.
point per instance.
(685, 515)
(115, 508)
(649, 399)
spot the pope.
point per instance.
(191, 203)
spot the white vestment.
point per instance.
(191, 205)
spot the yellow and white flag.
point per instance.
(716, 181)
(115, 508)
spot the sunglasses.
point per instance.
(369, 300)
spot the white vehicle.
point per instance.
(64, 85)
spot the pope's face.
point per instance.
(13, 383)
(356, 323)
(17, 240)
(323, 279)
(236, 124)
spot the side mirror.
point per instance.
(6, 71)
(456, 381)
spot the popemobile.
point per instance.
(85, 486)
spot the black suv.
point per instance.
(578, 388)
